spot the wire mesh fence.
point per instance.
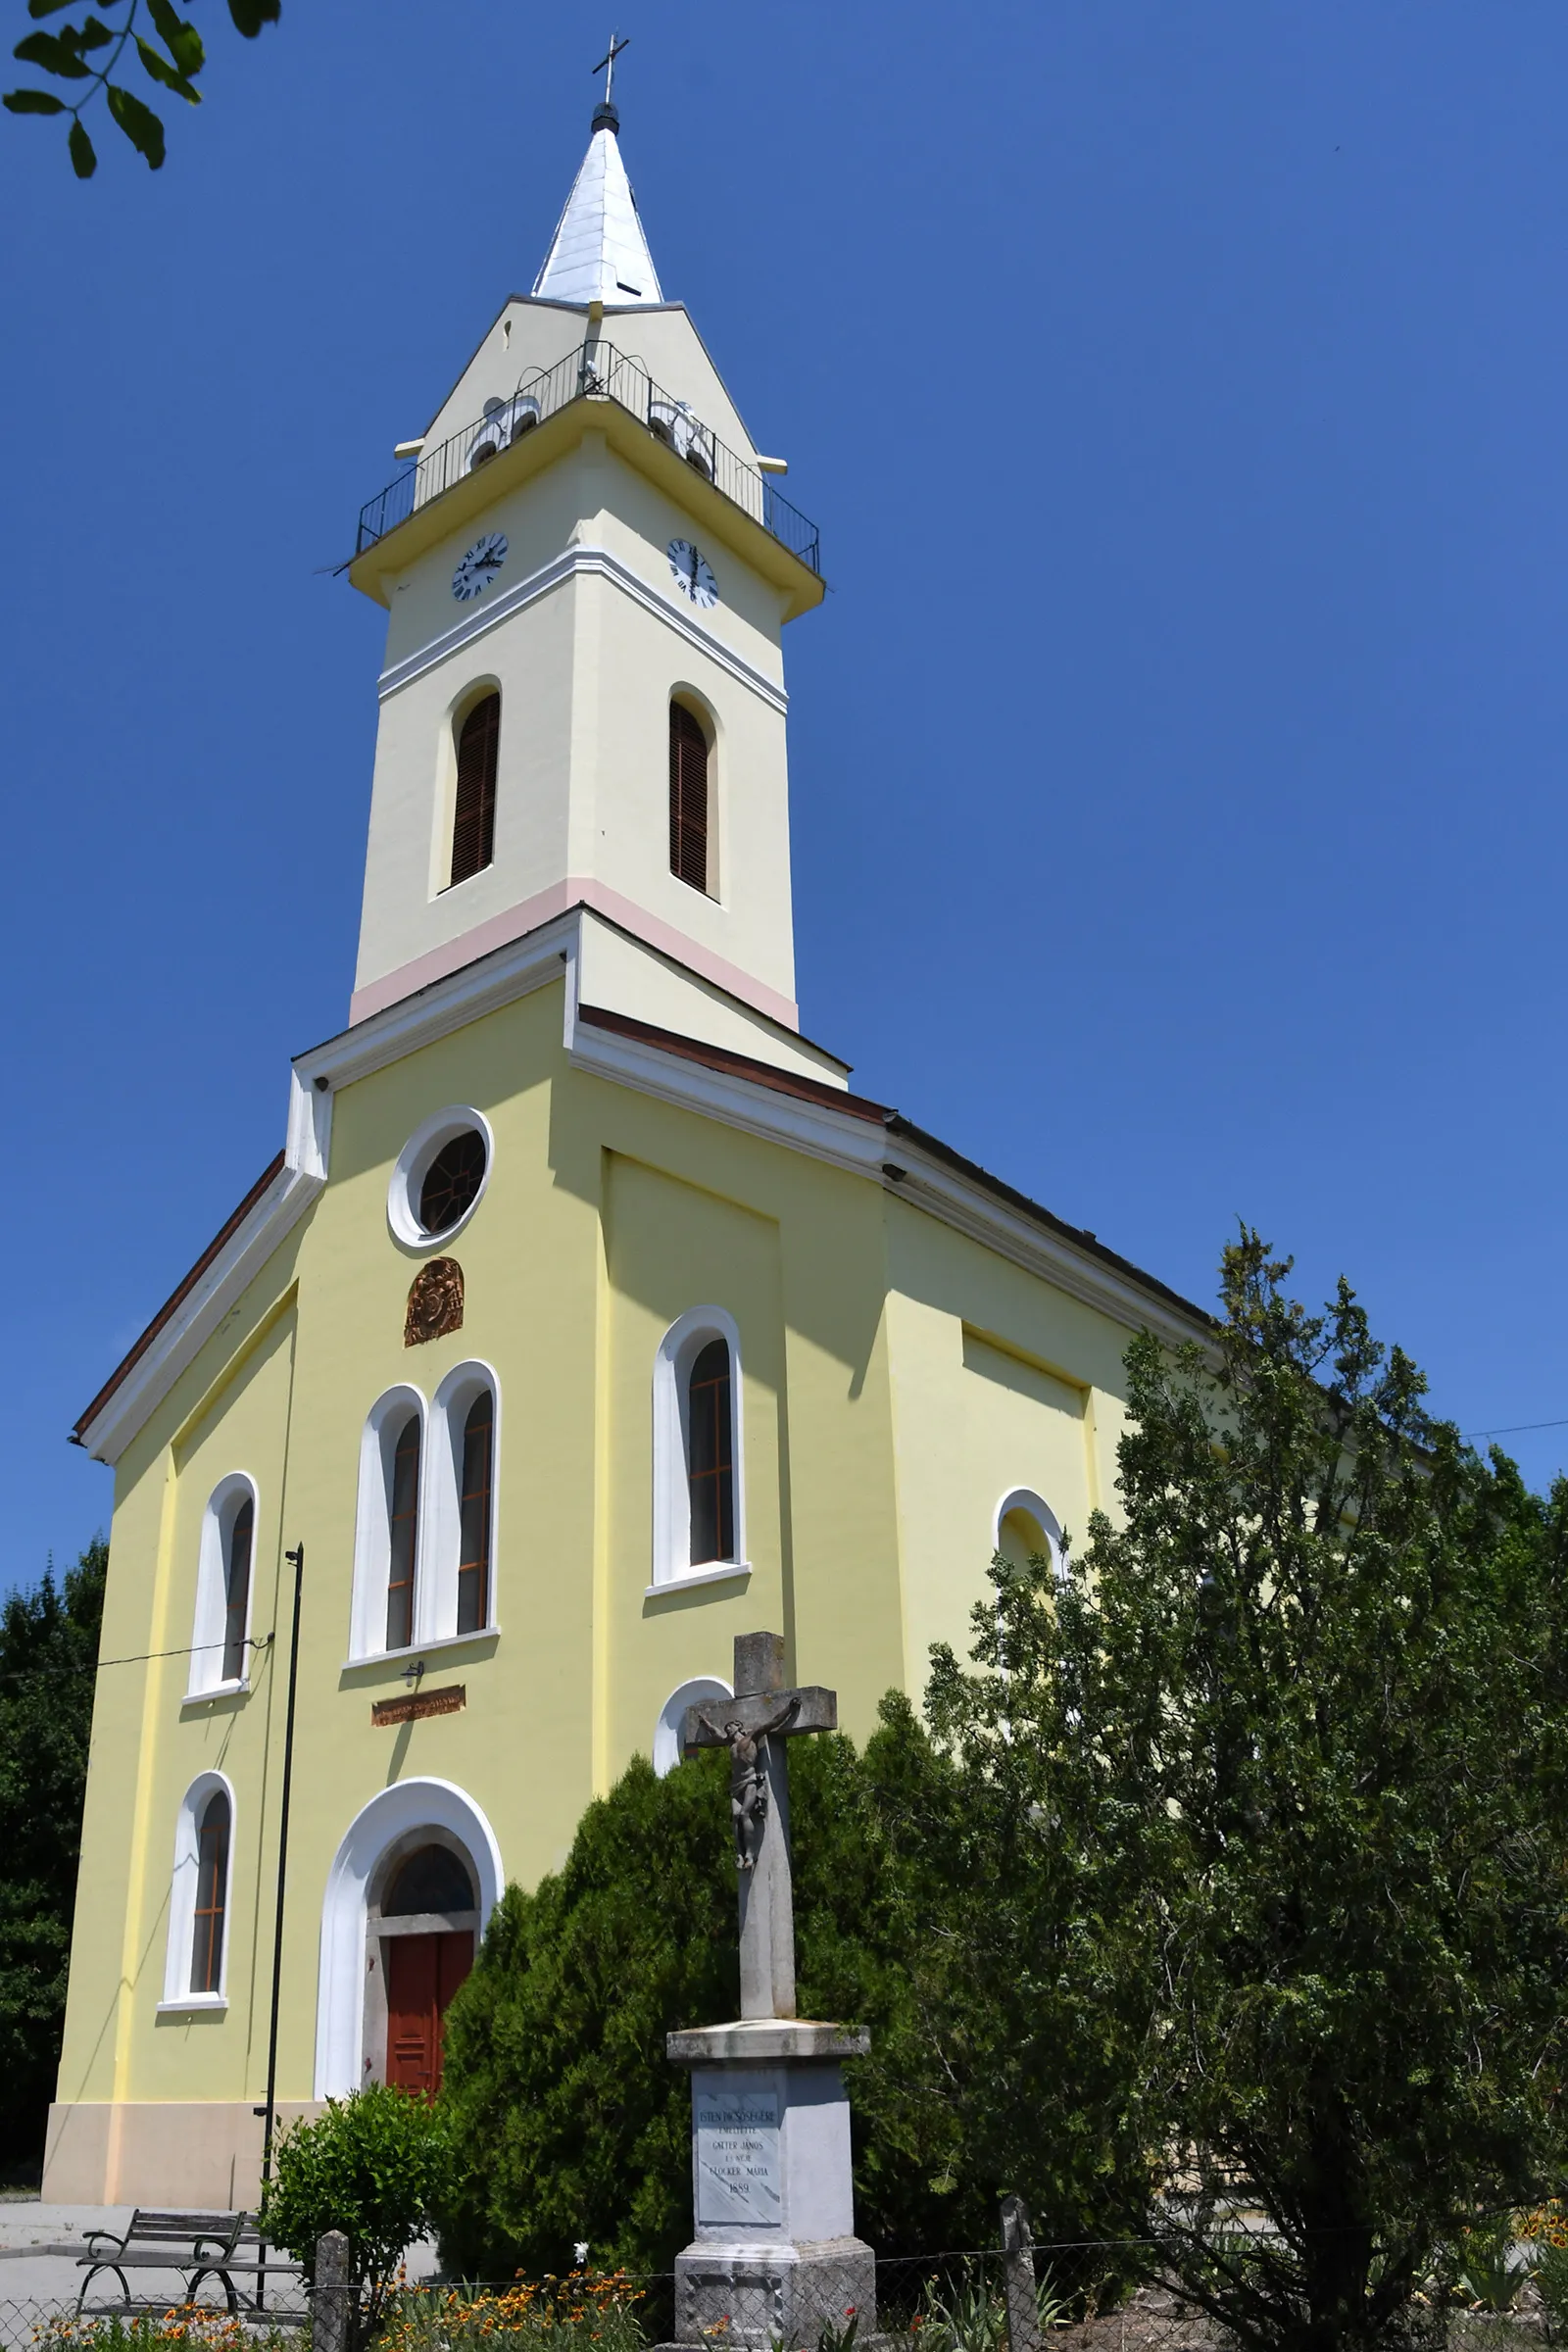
(149, 2309)
(1104, 2296)
(38, 2323)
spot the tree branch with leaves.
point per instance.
(88, 56)
(1277, 1778)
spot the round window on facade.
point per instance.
(440, 1177)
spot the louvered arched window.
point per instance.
(211, 1895)
(688, 797)
(473, 821)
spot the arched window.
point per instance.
(698, 1485)
(388, 1534)
(474, 1514)
(403, 1535)
(670, 1729)
(211, 1895)
(460, 1530)
(1026, 1527)
(199, 1895)
(227, 1545)
(710, 1456)
(432, 1879)
(237, 1590)
(473, 821)
(688, 797)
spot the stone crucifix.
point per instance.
(753, 1725)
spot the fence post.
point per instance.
(1019, 2276)
(332, 2301)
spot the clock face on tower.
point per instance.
(478, 566)
(693, 572)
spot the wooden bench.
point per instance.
(198, 2245)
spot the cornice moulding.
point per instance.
(971, 1208)
(859, 1146)
(198, 1316)
(588, 562)
(839, 1138)
(435, 1012)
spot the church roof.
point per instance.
(598, 253)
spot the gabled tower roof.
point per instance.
(598, 253)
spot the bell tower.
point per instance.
(587, 568)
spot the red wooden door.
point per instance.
(422, 1972)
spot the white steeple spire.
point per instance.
(598, 253)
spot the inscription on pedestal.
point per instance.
(737, 2159)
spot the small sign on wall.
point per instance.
(449, 1700)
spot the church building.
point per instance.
(588, 1318)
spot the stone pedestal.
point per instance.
(775, 2254)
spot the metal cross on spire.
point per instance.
(607, 65)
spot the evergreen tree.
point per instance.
(1265, 1798)
(573, 2125)
(48, 1652)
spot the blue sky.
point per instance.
(1177, 764)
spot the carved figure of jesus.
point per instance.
(747, 1778)
(756, 1725)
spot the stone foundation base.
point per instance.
(202, 2153)
(762, 2295)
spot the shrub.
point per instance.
(569, 2123)
(371, 2166)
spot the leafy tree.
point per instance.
(48, 1650)
(370, 2166)
(85, 58)
(572, 2123)
(1265, 1798)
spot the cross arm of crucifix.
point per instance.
(782, 1714)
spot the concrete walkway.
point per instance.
(41, 2245)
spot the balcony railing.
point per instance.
(598, 371)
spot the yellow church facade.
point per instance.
(588, 1318)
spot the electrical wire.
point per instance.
(142, 1658)
(1515, 1429)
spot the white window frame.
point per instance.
(179, 1953)
(435, 1592)
(372, 1524)
(671, 1723)
(408, 1177)
(224, 1505)
(679, 1347)
(1025, 1499)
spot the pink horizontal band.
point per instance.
(500, 930)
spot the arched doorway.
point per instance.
(422, 1925)
(354, 2016)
